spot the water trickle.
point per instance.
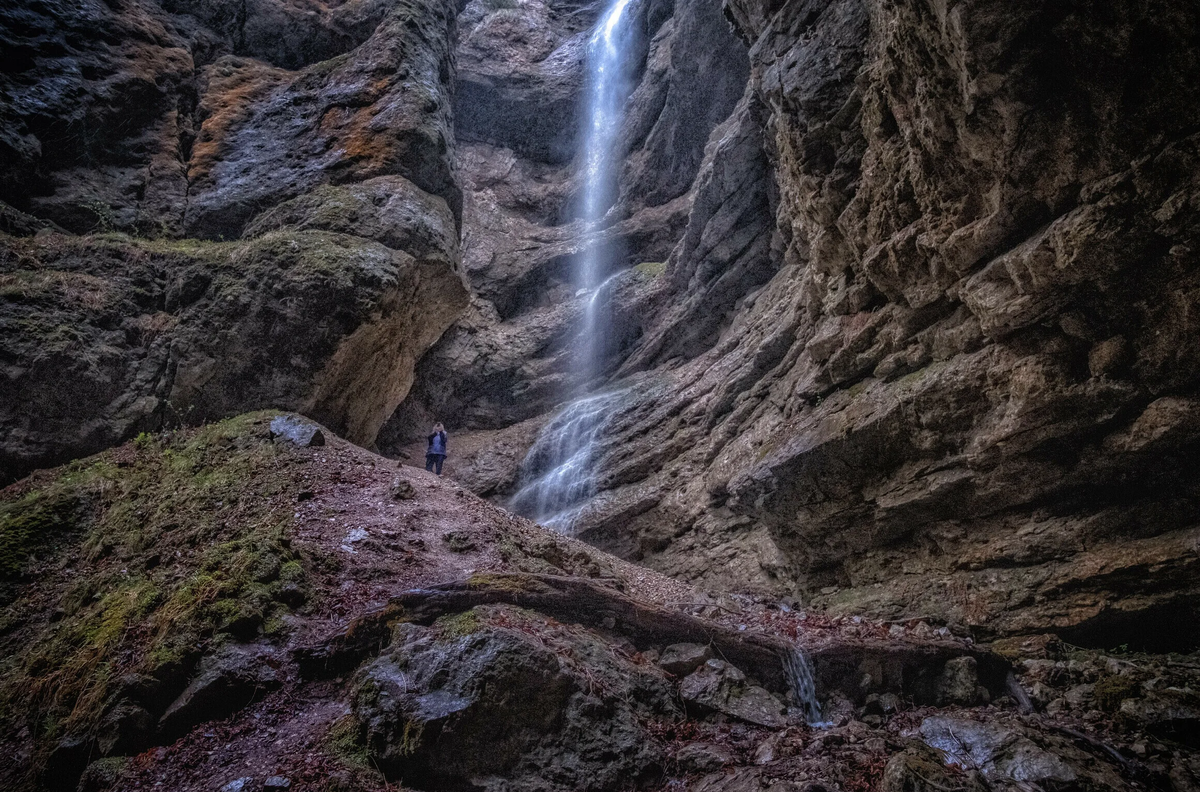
(558, 474)
(799, 672)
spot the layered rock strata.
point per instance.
(328, 148)
(956, 375)
(521, 90)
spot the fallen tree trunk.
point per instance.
(839, 661)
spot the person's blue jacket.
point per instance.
(437, 443)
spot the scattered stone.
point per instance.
(920, 769)
(227, 681)
(297, 431)
(1171, 713)
(881, 704)
(459, 541)
(719, 686)
(1081, 697)
(126, 728)
(1112, 690)
(683, 658)
(779, 745)
(292, 595)
(238, 784)
(703, 757)
(959, 683)
(102, 775)
(277, 782)
(403, 490)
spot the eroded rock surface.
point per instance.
(105, 337)
(521, 86)
(955, 375)
(328, 143)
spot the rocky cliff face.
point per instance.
(902, 307)
(520, 91)
(902, 303)
(321, 136)
(969, 390)
(923, 345)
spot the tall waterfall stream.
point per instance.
(558, 474)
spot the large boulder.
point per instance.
(225, 682)
(501, 693)
(1012, 756)
(105, 337)
(719, 686)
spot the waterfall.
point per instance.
(799, 673)
(608, 89)
(559, 470)
(558, 474)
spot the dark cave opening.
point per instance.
(1172, 626)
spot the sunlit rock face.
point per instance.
(925, 343)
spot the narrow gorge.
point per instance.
(822, 381)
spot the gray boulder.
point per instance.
(959, 683)
(1171, 713)
(717, 685)
(1010, 755)
(467, 703)
(226, 682)
(684, 658)
(297, 431)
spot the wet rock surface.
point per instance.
(902, 319)
(716, 685)
(224, 683)
(936, 383)
(524, 661)
(558, 710)
(106, 337)
(511, 357)
(329, 142)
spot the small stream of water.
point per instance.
(799, 672)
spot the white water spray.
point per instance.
(559, 471)
(608, 89)
(799, 673)
(560, 468)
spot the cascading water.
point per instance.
(608, 90)
(800, 676)
(559, 471)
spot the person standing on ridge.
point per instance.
(435, 454)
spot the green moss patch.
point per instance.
(652, 269)
(1112, 690)
(159, 549)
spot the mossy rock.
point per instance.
(1112, 690)
(31, 522)
(184, 536)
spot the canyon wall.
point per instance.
(903, 296)
(926, 342)
(268, 205)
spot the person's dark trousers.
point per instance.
(433, 463)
